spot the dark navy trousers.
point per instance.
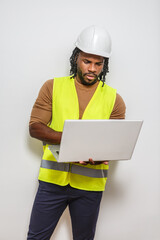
(50, 202)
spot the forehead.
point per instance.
(91, 57)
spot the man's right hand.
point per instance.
(45, 133)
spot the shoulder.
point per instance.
(119, 108)
(106, 86)
(119, 100)
(63, 79)
(48, 84)
(47, 88)
(62, 83)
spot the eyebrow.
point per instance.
(86, 59)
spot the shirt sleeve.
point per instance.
(119, 108)
(42, 108)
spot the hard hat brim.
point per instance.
(90, 51)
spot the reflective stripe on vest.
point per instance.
(76, 169)
(54, 165)
(89, 172)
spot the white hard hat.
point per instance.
(94, 40)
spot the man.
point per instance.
(83, 95)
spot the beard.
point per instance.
(82, 78)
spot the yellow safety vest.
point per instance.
(65, 106)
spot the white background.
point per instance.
(37, 39)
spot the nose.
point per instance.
(92, 68)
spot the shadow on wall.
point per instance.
(35, 146)
(113, 189)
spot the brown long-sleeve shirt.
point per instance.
(42, 109)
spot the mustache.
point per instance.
(90, 74)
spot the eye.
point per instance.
(99, 64)
(86, 61)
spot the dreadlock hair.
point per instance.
(73, 60)
(73, 70)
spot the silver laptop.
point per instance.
(97, 139)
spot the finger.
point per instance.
(91, 161)
(82, 162)
(106, 163)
